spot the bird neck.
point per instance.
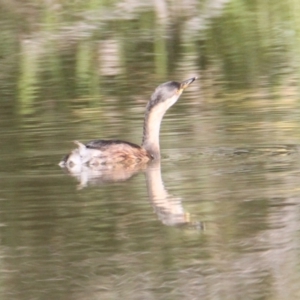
(152, 123)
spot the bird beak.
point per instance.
(186, 83)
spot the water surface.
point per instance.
(218, 218)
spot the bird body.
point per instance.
(110, 152)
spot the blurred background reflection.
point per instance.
(80, 70)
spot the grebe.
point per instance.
(110, 152)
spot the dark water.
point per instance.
(218, 218)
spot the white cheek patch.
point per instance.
(172, 101)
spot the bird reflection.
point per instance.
(168, 208)
(98, 175)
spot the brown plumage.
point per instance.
(111, 152)
(117, 151)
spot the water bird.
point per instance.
(111, 152)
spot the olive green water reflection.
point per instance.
(230, 146)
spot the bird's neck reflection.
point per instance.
(168, 208)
